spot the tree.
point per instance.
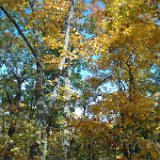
(45, 46)
(126, 39)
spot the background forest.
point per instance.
(97, 58)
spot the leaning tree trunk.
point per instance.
(66, 107)
(63, 60)
(40, 103)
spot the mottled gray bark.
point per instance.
(67, 82)
(63, 60)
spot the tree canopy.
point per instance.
(99, 57)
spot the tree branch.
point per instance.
(19, 30)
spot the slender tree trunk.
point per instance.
(65, 48)
(67, 78)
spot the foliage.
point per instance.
(45, 46)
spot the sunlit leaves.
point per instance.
(120, 99)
